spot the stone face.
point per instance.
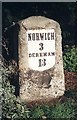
(40, 59)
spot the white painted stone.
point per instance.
(38, 48)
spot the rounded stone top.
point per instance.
(38, 22)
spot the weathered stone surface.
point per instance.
(37, 84)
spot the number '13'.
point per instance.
(42, 62)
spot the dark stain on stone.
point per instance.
(42, 79)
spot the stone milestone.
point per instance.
(41, 74)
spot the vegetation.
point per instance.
(12, 107)
(70, 58)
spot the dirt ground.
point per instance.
(70, 80)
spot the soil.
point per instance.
(70, 86)
(70, 80)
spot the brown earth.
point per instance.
(70, 80)
(70, 86)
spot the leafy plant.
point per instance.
(70, 58)
(12, 107)
(37, 112)
(64, 110)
